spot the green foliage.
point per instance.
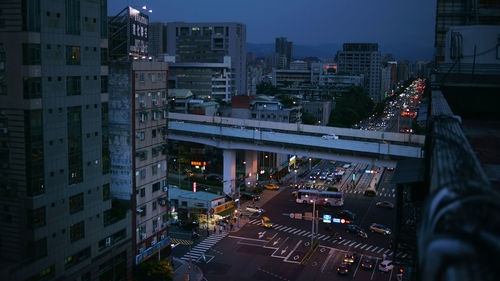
(350, 108)
(266, 88)
(370, 193)
(286, 100)
(153, 271)
(308, 119)
(334, 189)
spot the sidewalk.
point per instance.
(181, 268)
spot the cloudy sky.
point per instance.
(399, 26)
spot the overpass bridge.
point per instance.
(229, 134)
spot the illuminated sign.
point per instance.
(138, 32)
(194, 186)
(198, 163)
(223, 207)
(327, 218)
(292, 160)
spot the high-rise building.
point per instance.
(284, 49)
(210, 43)
(403, 70)
(58, 218)
(138, 131)
(467, 12)
(362, 58)
(157, 38)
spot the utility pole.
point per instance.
(314, 212)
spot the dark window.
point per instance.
(36, 217)
(104, 19)
(32, 87)
(143, 192)
(31, 54)
(77, 258)
(219, 30)
(156, 186)
(73, 85)
(154, 208)
(73, 17)
(105, 192)
(34, 152)
(38, 248)
(106, 162)
(73, 55)
(31, 15)
(104, 56)
(76, 203)
(104, 84)
(77, 231)
(153, 132)
(111, 240)
(75, 161)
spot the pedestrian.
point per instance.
(215, 229)
(220, 229)
(208, 232)
(384, 256)
(231, 227)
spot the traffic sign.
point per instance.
(327, 218)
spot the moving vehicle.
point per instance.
(271, 186)
(321, 197)
(349, 258)
(367, 263)
(352, 228)
(254, 209)
(386, 266)
(249, 196)
(330, 137)
(266, 222)
(375, 227)
(385, 204)
(346, 214)
(343, 268)
(315, 174)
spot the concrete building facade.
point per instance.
(138, 134)
(210, 43)
(362, 58)
(284, 49)
(59, 220)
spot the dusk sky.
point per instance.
(402, 27)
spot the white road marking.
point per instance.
(381, 249)
(368, 248)
(357, 245)
(363, 246)
(373, 250)
(386, 251)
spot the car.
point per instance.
(343, 268)
(323, 176)
(352, 228)
(385, 204)
(330, 137)
(349, 258)
(386, 266)
(375, 227)
(346, 214)
(254, 209)
(271, 186)
(337, 236)
(249, 196)
(390, 168)
(367, 263)
(266, 222)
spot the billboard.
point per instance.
(138, 44)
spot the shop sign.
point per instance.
(223, 207)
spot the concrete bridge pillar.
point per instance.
(250, 167)
(229, 175)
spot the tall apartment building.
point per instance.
(157, 39)
(362, 58)
(284, 49)
(404, 70)
(138, 134)
(210, 43)
(57, 216)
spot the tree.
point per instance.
(308, 119)
(351, 107)
(153, 271)
(266, 88)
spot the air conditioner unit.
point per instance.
(141, 250)
(142, 103)
(163, 202)
(162, 236)
(144, 236)
(140, 211)
(165, 189)
(108, 241)
(155, 102)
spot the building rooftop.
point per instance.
(180, 93)
(174, 191)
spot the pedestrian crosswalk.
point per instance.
(181, 241)
(327, 238)
(197, 251)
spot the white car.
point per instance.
(386, 266)
(255, 209)
(330, 137)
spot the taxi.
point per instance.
(266, 222)
(271, 186)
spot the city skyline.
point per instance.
(409, 35)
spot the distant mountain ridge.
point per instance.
(324, 51)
